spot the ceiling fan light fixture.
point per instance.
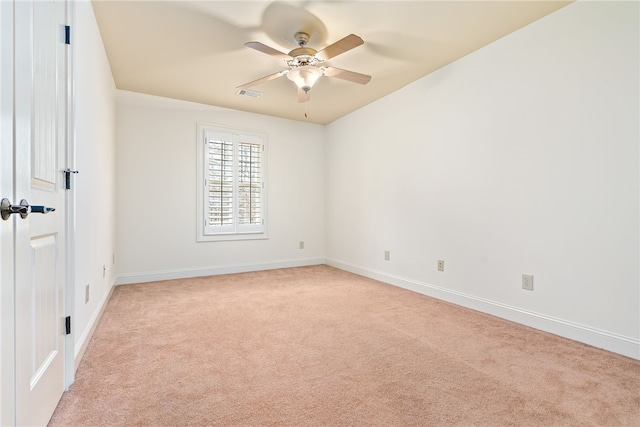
(305, 77)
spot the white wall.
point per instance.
(156, 198)
(95, 183)
(519, 158)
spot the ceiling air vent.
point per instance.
(250, 93)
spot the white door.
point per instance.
(7, 331)
(39, 160)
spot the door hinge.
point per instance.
(67, 178)
(67, 34)
(67, 325)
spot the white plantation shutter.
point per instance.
(249, 184)
(220, 184)
(234, 183)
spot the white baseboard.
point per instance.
(602, 339)
(155, 276)
(83, 342)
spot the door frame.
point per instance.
(70, 211)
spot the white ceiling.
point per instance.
(194, 50)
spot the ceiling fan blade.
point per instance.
(268, 50)
(263, 79)
(303, 96)
(339, 47)
(351, 76)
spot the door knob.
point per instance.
(24, 209)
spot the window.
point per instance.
(232, 189)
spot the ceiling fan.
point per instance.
(306, 64)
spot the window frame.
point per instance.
(235, 231)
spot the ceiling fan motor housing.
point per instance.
(302, 60)
(302, 51)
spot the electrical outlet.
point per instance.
(86, 294)
(387, 255)
(301, 245)
(440, 265)
(527, 282)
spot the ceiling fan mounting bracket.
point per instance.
(301, 38)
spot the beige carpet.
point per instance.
(316, 346)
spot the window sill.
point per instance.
(222, 237)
